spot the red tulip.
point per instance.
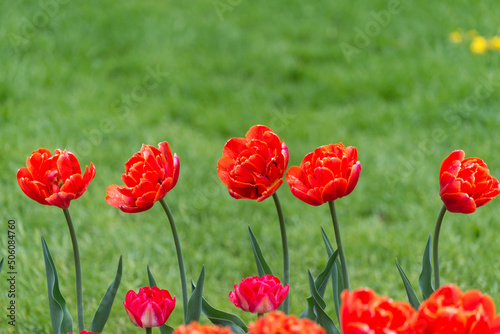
(196, 328)
(149, 175)
(466, 184)
(279, 323)
(85, 332)
(54, 179)
(328, 173)
(259, 294)
(449, 310)
(151, 307)
(253, 167)
(363, 312)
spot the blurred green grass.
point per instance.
(73, 76)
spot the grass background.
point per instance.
(73, 77)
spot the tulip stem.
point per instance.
(78, 271)
(180, 259)
(149, 330)
(343, 263)
(435, 243)
(286, 259)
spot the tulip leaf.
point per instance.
(166, 329)
(410, 292)
(262, 266)
(309, 311)
(151, 279)
(337, 279)
(227, 323)
(425, 279)
(104, 309)
(62, 322)
(1, 265)
(319, 305)
(194, 303)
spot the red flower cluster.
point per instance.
(253, 167)
(85, 332)
(151, 307)
(466, 184)
(196, 328)
(279, 323)
(54, 179)
(328, 173)
(259, 294)
(447, 311)
(149, 175)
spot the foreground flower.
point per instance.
(328, 173)
(279, 323)
(85, 332)
(196, 328)
(54, 179)
(362, 311)
(479, 45)
(149, 175)
(259, 294)
(466, 184)
(449, 310)
(151, 307)
(253, 167)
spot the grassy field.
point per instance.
(101, 78)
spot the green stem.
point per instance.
(149, 330)
(179, 257)
(78, 271)
(343, 263)
(435, 244)
(286, 259)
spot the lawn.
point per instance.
(102, 78)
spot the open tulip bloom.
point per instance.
(253, 168)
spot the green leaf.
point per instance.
(410, 292)
(309, 311)
(337, 280)
(152, 281)
(262, 266)
(1, 265)
(425, 278)
(227, 323)
(104, 309)
(62, 322)
(165, 329)
(319, 305)
(194, 303)
(328, 244)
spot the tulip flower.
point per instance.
(149, 308)
(466, 184)
(279, 323)
(327, 174)
(57, 180)
(449, 310)
(253, 167)
(196, 328)
(259, 294)
(362, 311)
(85, 332)
(54, 179)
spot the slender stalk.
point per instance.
(78, 271)
(435, 244)
(286, 258)
(179, 257)
(149, 330)
(338, 239)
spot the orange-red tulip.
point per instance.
(449, 310)
(279, 323)
(196, 328)
(259, 294)
(466, 184)
(54, 179)
(253, 167)
(149, 175)
(364, 312)
(151, 307)
(328, 173)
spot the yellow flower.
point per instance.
(494, 43)
(479, 45)
(456, 37)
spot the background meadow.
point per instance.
(101, 77)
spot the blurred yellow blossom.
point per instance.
(456, 37)
(494, 43)
(479, 45)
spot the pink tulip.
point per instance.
(151, 307)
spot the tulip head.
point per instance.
(151, 307)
